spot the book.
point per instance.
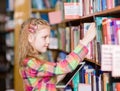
(74, 36)
(55, 17)
(47, 3)
(53, 40)
(116, 61)
(110, 4)
(61, 38)
(104, 4)
(75, 81)
(84, 87)
(71, 10)
(38, 4)
(90, 45)
(116, 27)
(106, 82)
(106, 57)
(69, 76)
(67, 47)
(117, 2)
(99, 36)
(106, 31)
(117, 86)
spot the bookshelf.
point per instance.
(88, 18)
(7, 47)
(26, 7)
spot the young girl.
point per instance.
(37, 73)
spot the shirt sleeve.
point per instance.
(64, 66)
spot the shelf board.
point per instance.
(92, 61)
(2, 21)
(42, 11)
(6, 31)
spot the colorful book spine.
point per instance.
(67, 39)
(104, 5)
(106, 32)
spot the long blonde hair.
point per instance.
(25, 49)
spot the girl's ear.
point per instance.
(30, 38)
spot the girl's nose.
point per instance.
(47, 40)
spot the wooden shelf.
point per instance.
(6, 31)
(92, 61)
(42, 11)
(87, 18)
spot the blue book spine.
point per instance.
(117, 2)
(82, 77)
(7, 5)
(112, 33)
(104, 4)
(97, 83)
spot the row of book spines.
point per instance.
(107, 84)
(104, 2)
(98, 83)
(108, 30)
(71, 39)
(68, 38)
(85, 7)
(88, 76)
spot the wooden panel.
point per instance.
(42, 11)
(2, 6)
(21, 13)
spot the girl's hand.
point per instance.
(89, 35)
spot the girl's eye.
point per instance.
(44, 37)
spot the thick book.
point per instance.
(106, 57)
(115, 30)
(68, 77)
(116, 61)
(84, 87)
(106, 30)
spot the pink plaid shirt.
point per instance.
(41, 77)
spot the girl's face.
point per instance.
(40, 40)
